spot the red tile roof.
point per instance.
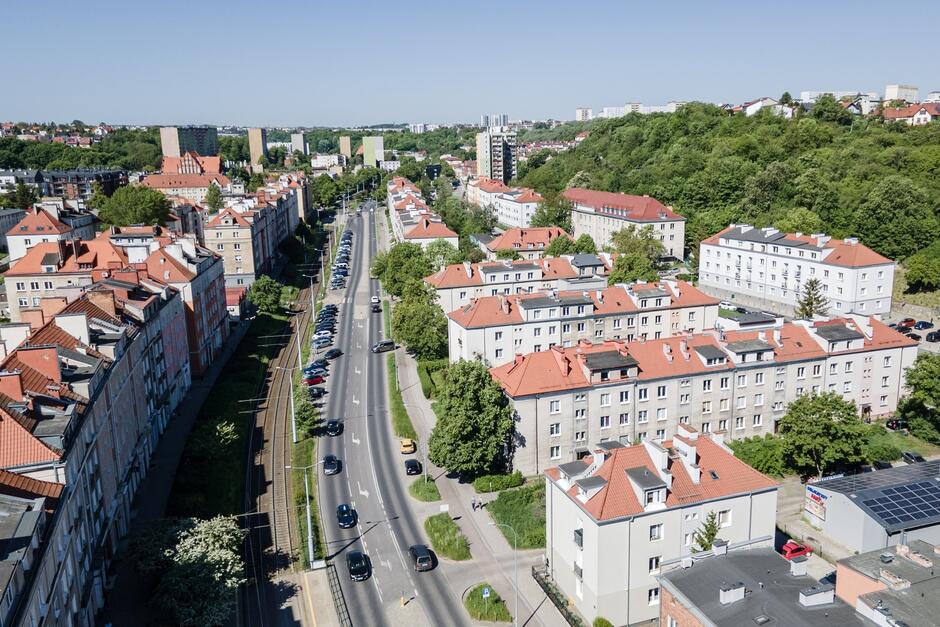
(206, 165)
(457, 275)
(186, 181)
(98, 253)
(844, 253)
(39, 222)
(618, 499)
(491, 186)
(526, 239)
(428, 229)
(640, 208)
(236, 216)
(18, 446)
(933, 108)
(21, 486)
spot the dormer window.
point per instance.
(48, 268)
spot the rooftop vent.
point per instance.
(798, 566)
(763, 619)
(886, 558)
(817, 595)
(730, 593)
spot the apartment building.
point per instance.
(373, 150)
(176, 141)
(767, 269)
(494, 329)
(739, 383)
(9, 217)
(617, 517)
(601, 214)
(257, 147)
(36, 227)
(583, 114)
(85, 396)
(528, 243)
(412, 219)
(496, 154)
(193, 187)
(459, 284)
(482, 191)
(516, 207)
(75, 184)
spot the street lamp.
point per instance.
(515, 569)
(307, 503)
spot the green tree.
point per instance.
(474, 422)
(923, 268)
(22, 197)
(134, 204)
(508, 254)
(763, 454)
(923, 379)
(812, 301)
(896, 219)
(786, 98)
(442, 253)
(799, 220)
(821, 430)
(632, 267)
(405, 263)
(645, 242)
(554, 210)
(828, 109)
(306, 413)
(421, 326)
(324, 191)
(585, 244)
(214, 198)
(705, 536)
(559, 246)
(265, 293)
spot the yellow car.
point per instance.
(408, 446)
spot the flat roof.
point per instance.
(770, 591)
(707, 351)
(573, 468)
(581, 260)
(645, 479)
(749, 346)
(837, 333)
(590, 483)
(609, 360)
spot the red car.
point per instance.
(907, 323)
(313, 380)
(792, 549)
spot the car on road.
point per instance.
(792, 549)
(907, 323)
(910, 457)
(374, 300)
(315, 392)
(358, 565)
(407, 446)
(313, 380)
(725, 305)
(334, 427)
(383, 345)
(376, 308)
(882, 465)
(922, 325)
(933, 336)
(914, 337)
(421, 557)
(333, 353)
(331, 465)
(412, 467)
(345, 516)
(896, 424)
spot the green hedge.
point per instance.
(401, 421)
(496, 483)
(431, 375)
(425, 490)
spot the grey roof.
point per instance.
(582, 260)
(838, 333)
(645, 479)
(749, 346)
(591, 483)
(707, 351)
(609, 360)
(759, 236)
(575, 300)
(754, 317)
(609, 445)
(771, 591)
(49, 259)
(482, 238)
(518, 265)
(18, 520)
(899, 498)
(573, 468)
(538, 302)
(649, 292)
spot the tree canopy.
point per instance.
(265, 293)
(554, 210)
(403, 264)
(812, 302)
(134, 204)
(632, 267)
(419, 323)
(820, 431)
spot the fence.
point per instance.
(339, 599)
(540, 574)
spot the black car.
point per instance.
(358, 565)
(330, 465)
(412, 467)
(882, 465)
(376, 308)
(933, 336)
(896, 424)
(333, 353)
(331, 307)
(334, 427)
(911, 457)
(345, 516)
(316, 392)
(421, 557)
(318, 363)
(914, 336)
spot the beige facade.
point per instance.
(345, 146)
(257, 145)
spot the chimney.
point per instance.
(730, 593)
(777, 337)
(798, 566)
(817, 595)
(504, 305)
(719, 547)
(468, 269)
(11, 384)
(600, 296)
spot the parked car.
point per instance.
(376, 308)
(421, 557)
(345, 516)
(921, 325)
(334, 427)
(318, 363)
(315, 372)
(321, 342)
(331, 307)
(896, 424)
(325, 333)
(383, 345)
(313, 380)
(375, 300)
(412, 467)
(893, 325)
(725, 305)
(907, 323)
(882, 465)
(933, 336)
(316, 392)
(914, 337)
(333, 353)
(792, 549)
(358, 565)
(407, 446)
(911, 457)
(331, 465)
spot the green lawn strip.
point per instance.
(304, 454)
(431, 375)
(497, 483)
(401, 421)
(424, 489)
(209, 480)
(523, 509)
(909, 443)
(491, 609)
(446, 537)
(926, 298)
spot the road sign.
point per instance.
(486, 593)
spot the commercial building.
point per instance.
(768, 269)
(879, 509)
(175, 141)
(907, 93)
(601, 214)
(373, 150)
(298, 143)
(257, 146)
(345, 146)
(528, 243)
(813, 96)
(495, 329)
(736, 382)
(894, 587)
(756, 586)
(496, 154)
(619, 516)
(459, 284)
(583, 114)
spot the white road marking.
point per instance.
(355, 441)
(355, 400)
(357, 370)
(362, 492)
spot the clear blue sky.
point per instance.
(329, 62)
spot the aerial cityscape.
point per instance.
(639, 327)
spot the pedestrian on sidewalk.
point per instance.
(473, 504)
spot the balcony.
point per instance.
(579, 537)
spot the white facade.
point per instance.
(583, 114)
(813, 96)
(516, 207)
(765, 268)
(327, 161)
(907, 93)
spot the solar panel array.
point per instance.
(906, 505)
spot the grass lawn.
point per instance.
(425, 490)
(910, 443)
(446, 537)
(304, 454)
(731, 314)
(523, 509)
(401, 421)
(491, 609)
(900, 293)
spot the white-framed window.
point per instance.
(642, 394)
(625, 418)
(653, 564)
(499, 354)
(687, 539)
(605, 422)
(642, 416)
(652, 596)
(758, 378)
(554, 429)
(656, 532)
(554, 407)
(555, 452)
(661, 413)
(757, 420)
(661, 391)
(498, 336)
(605, 400)
(625, 396)
(739, 422)
(724, 518)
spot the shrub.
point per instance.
(600, 621)
(491, 609)
(446, 537)
(497, 483)
(424, 490)
(401, 421)
(425, 378)
(763, 454)
(523, 509)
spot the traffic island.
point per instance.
(483, 603)
(424, 489)
(447, 538)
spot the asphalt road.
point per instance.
(372, 479)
